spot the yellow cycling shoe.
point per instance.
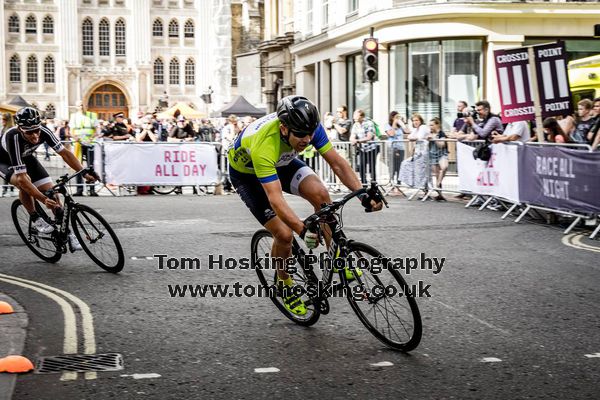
(350, 275)
(294, 304)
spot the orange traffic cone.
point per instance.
(15, 364)
(6, 308)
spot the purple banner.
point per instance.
(513, 73)
(553, 79)
(560, 178)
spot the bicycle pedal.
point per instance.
(324, 307)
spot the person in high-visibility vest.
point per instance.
(84, 125)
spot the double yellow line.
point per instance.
(70, 343)
(574, 240)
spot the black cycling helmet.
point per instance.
(28, 119)
(298, 114)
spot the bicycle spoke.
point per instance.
(262, 243)
(97, 238)
(384, 307)
(42, 245)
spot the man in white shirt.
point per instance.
(514, 131)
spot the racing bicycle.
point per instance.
(94, 234)
(379, 296)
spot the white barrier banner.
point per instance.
(158, 163)
(497, 177)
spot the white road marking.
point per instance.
(382, 364)
(142, 376)
(490, 359)
(595, 355)
(87, 321)
(267, 370)
(503, 331)
(134, 258)
(149, 258)
(574, 240)
(70, 340)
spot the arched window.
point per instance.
(13, 24)
(157, 28)
(159, 72)
(15, 69)
(50, 111)
(173, 28)
(120, 38)
(104, 37)
(49, 70)
(188, 29)
(174, 72)
(32, 69)
(190, 72)
(48, 25)
(31, 25)
(87, 35)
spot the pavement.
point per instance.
(13, 331)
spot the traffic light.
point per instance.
(370, 59)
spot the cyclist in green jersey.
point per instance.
(263, 164)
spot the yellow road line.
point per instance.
(574, 240)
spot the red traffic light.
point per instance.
(370, 50)
(370, 44)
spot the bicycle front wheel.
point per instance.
(97, 238)
(383, 302)
(261, 246)
(42, 245)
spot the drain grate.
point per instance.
(79, 363)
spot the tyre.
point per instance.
(164, 189)
(42, 245)
(383, 301)
(97, 238)
(262, 243)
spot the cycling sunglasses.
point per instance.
(300, 135)
(33, 131)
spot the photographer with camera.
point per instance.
(462, 112)
(482, 122)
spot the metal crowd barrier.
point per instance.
(383, 161)
(578, 216)
(450, 181)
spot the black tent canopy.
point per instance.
(240, 107)
(19, 102)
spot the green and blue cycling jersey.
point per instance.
(259, 149)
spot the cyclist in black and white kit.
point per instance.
(19, 167)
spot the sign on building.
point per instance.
(516, 82)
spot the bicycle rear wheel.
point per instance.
(261, 245)
(42, 245)
(383, 302)
(97, 238)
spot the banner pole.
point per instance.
(539, 129)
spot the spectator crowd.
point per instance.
(359, 139)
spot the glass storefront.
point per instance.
(430, 77)
(359, 92)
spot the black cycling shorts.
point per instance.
(254, 196)
(37, 173)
